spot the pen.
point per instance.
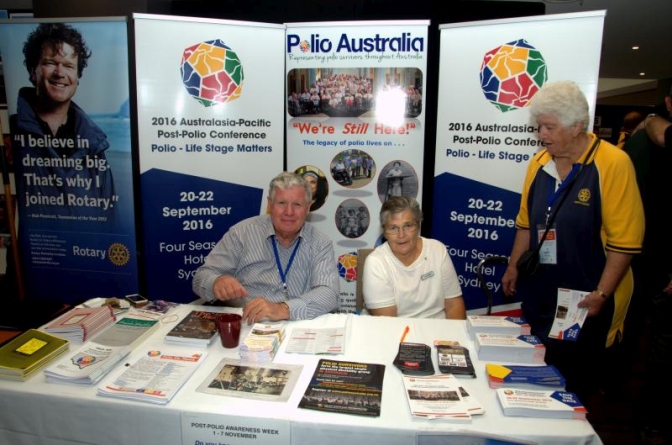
(403, 336)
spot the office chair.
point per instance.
(485, 262)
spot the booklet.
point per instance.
(197, 328)
(546, 404)
(569, 318)
(155, 377)
(414, 359)
(317, 341)
(454, 359)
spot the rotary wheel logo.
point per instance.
(584, 195)
(118, 254)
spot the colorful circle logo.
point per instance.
(212, 73)
(511, 74)
(347, 266)
(304, 46)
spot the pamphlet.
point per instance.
(414, 359)
(569, 318)
(155, 377)
(345, 387)
(454, 359)
(436, 397)
(317, 341)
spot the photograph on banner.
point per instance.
(355, 97)
(70, 144)
(211, 132)
(483, 149)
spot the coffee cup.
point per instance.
(229, 326)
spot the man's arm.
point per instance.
(214, 278)
(322, 297)
(614, 270)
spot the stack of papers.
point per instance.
(520, 376)
(155, 377)
(510, 348)
(89, 364)
(440, 397)
(493, 324)
(28, 352)
(81, 323)
(262, 342)
(546, 404)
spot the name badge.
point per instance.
(427, 276)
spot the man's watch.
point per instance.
(601, 294)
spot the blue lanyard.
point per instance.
(563, 185)
(283, 273)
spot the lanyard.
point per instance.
(563, 185)
(283, 273)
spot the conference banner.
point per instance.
(70, 134)
(488, 73)
(210, 130)
(355, 126)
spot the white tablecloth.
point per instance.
(35, 412)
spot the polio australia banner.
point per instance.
(68, 100)
(489, 71)
(210, 135)
(355, 126)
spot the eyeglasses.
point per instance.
(407, 228)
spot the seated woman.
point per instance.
(410, 276)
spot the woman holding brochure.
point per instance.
(580, 202)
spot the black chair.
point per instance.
(486, 262)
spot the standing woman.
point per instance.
(589, 246)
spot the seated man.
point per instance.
(410, 276)
(277, 266)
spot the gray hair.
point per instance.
(398, 204)
(287, 180)
(563, 100)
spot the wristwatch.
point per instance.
(601, 294)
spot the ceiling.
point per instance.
(646, 23)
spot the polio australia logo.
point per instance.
(511, 75)
(212, 73)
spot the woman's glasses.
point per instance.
(407, 228)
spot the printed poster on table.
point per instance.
(71, 154)
(488, 72)
(210, 134)
(355, 126)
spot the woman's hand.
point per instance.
(509, 280)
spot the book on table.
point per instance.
(197, 328)
(28, 352)
(345, 387)
(545, 404)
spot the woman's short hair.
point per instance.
(398, 204)
(287, 180)
(562, 99)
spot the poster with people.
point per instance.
(355, 126)
(67, 92)
(210, 129)
(488, 73)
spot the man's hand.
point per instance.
(260, 309)
(227, 287)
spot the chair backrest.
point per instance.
(359, 294)
(488, 262)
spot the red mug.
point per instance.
(229, 326)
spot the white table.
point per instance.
(35, 412)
